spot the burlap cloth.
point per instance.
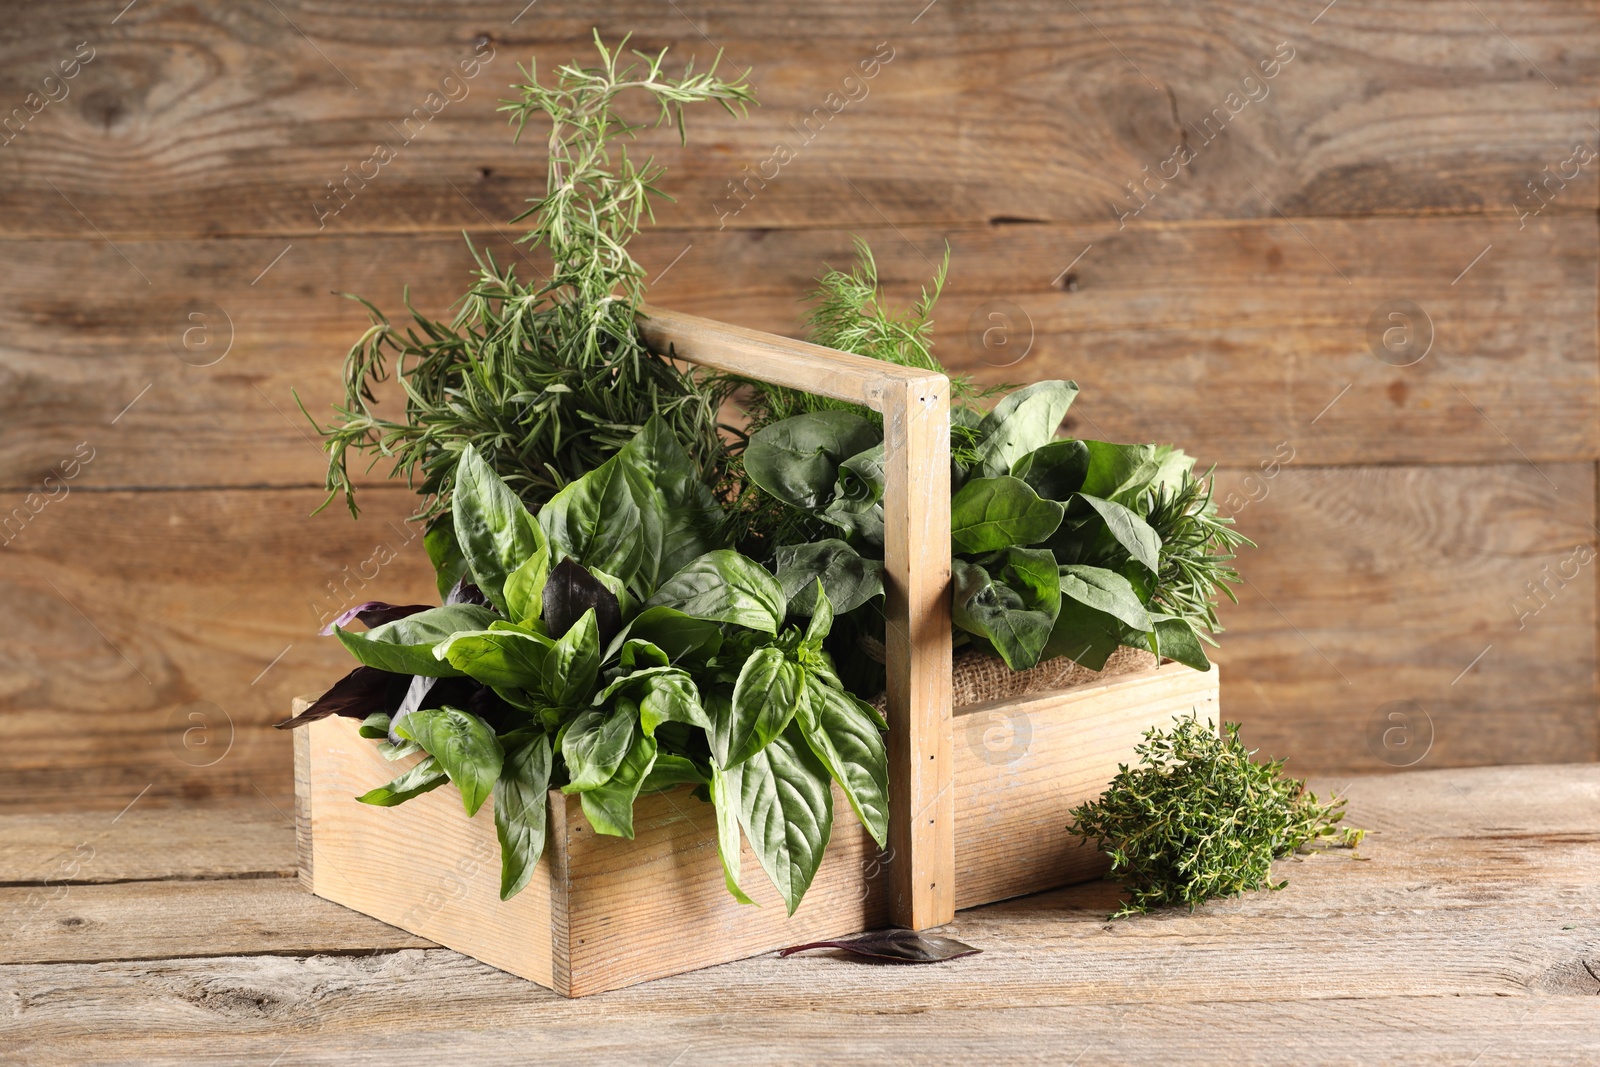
(977, 676)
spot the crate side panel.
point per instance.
(422, 866)
(657, 905)
(1022, 765)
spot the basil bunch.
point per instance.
(1053, 553)
(621, 650)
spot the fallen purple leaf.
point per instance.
(902, 946)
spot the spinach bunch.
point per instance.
(1053, 549)
(618, 649)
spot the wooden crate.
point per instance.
(973, 819)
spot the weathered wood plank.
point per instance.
(240, 841)
(155, 920)
(1405, 591)
(1228, 339)
(162, 676)
(193, 121)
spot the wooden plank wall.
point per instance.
(1211, 252)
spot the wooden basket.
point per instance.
(979, 796)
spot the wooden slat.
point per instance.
(1407, 107)
(1023, 764)
(241, 841)
(1387, 585)
(1464, 932)
(1227, 338)
(149, 629)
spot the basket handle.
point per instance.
(915, 405)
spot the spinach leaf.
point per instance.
(609, 806)
(786, 810)
(506, 659)
(857, 505)
(422, 778)
(1024, 421)
(725, 799)
(1016, 621)
(1129, 530)
(1177, 640)
(690, 517)
(1105, 591)
(494, 530)
(724, 586)
(465, 747)
(769, 687)
(406, 645)
(1055, 471)
(595, 743)
(846, 739)
(1124, 472)
(573, 663)
(991, 514)
(797, 460)
(520, 811)
(1084, 634)
(849, 578)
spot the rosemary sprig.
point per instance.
(545, 379)
(1197, 552)
(1199, 819)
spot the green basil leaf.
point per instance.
(1177, 640)
(637, 654)
(990, 514)
(449, 564)
(764, 700)
(1106, 591)
(1055, 471)
(595, 743)
(1024, 421)
(843, 734)
(375, 725)
(507, 659)
(573, 663)
(465, 747)
(524, 588)
(422, 778)
(612, 519)
(405, 646)
(670, 630)
(725, 798)
(691, 518)
(849, 578)
(521, 812)
(609, 806)
(797, 460)
(786, 810)
(1129, 530)
(1014, 621)
(493, 528)
(669, 772)
(724, 586)
(821, 618)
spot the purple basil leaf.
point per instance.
(415, 693)
(464, 592)
(569, 592)
(356, 695)
(902, 946)
(373, 613)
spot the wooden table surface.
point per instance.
(1468, 932)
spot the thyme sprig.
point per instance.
(548, 378)
(1199, 818)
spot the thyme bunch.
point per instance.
(546, 378)
(1199, 818)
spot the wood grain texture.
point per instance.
(1465, 932)
(1405, 591)
(237, 120)
(1226, 338)
(1022, 765)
